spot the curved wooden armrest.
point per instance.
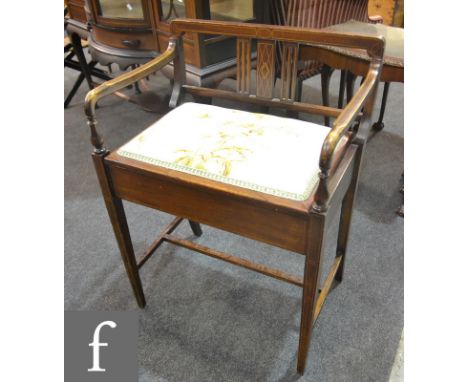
(330, 156)
(377, 19)
(345, 119)
(122, 81)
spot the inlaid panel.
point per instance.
(289, 71)
(265, 68)
(243, 65)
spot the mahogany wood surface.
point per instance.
(277, 274)
(76, 9)
(289, 71)
(298, 226)
(243, 65)
(357, 61)
(358, 66)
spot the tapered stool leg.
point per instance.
(343, 233)
(346, 215)
(196, 228)
(119, 224)
(310, 289)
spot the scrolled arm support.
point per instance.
(364, 95)
(116, 84)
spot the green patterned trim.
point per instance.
(223, 179)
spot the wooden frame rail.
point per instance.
(167, 236)
(373, 45)
(253, 99)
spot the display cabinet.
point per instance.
(129, 32)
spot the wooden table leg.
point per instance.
(343, 75)
(379, 125)
(350, 81)
(326, 73)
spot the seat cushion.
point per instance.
(265, 153)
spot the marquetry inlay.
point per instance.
(289, 71)
(243, 65)
(265, 68)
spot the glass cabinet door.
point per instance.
(170, 9)
(121, 9)
(231, 10)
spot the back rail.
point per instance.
(373, 45)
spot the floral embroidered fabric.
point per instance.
(266, 153)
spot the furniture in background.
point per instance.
(279, 181)
(392, 11)
(130, 33)
(358, 61)
(318, 14)
(74, 43)
(76, 10)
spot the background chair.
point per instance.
(261, 213)
(320, 14)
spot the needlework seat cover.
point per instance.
(270, 154)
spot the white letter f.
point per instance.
(96, 344)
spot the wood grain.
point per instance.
(265, 68)
(289, 71)
(244, 263)
(243, 65)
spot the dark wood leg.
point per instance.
(350, 81)
(74, 89)
(345, 224)
(196, 228)
(326, 73)
(379, 125)
(310, 291)
(299, 90)
(298, 98)
(136, 84)
(119, 224)
(343, 76)
(347, 213)
(76, 42)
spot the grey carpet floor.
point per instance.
(211, 321)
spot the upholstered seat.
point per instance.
(270, 154)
